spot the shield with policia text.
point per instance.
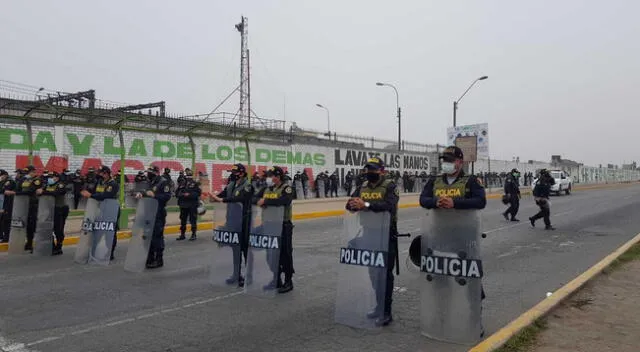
(362, 268)
(1, 201)
(141, 233)
(226, 258)
(104, 228)
(84, 246)
(321, 187)
(451, 268)
(69, 199)
(43, 237)
(263, 258)
(19, 217)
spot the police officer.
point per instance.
(159, 189)
(6, 184)
(512, 193)
(58, 189)
(379, 194)
(188, 194)
(106, 188)
(454, 181)
(541, 193)
(472, 193)
(348, 179)
(28, 185)
(277, 193)
(240, 190)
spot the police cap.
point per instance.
(53, 174)
(28, 168)
(237, 168)
(153, 169)
(452, 153)
(167, 170)
(515, 171)
(275, 171)
(105, 169)
(374, 163)
(3, 172)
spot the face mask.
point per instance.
(233, 177)
(151, 176)
(516, 175)
(372, 177)
(269, 182)
(50, 181)
(448, 168)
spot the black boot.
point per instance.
(533, 222)
(181, 238)
(506, 217)
(57, 249)
(156, 262)
(193, 237)
(29, 246)
(286, 287)
(151, 258)
(384, 320)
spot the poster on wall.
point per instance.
(480, 131)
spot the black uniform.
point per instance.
(188, 194)
(240, 192)
(512, 191)
(61, 211)
(387, 203)
(541, 193)
(162, 193)
(333, 181)
(348, 180)
(28, 186)
(5, 218)
(282, 195)
(108, 190)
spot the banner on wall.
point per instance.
(480, 131)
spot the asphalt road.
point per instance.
(52, 304)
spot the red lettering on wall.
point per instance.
(55, 163)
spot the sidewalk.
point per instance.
(603, 316)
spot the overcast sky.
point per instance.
(563, 75)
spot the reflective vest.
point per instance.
(458, 189)
(274, 192)
(376, 194)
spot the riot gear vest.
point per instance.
(56, 190)
(377, 193)
(274, 192)
(458, 189)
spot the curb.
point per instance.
(543, 308)
(174, 229)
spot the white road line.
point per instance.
(128, 320)
(12, 346)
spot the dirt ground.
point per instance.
(603, 316)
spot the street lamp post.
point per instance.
(328, 119)
(380, 84)
(456, 102)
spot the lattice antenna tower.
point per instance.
(245, 87)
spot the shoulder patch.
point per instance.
(237, 193)
(36, 182)
(247, 188)
(288, 190)
(60, 185)
(166, 188)
(396, 191)
(7, 183)
(154, 188)
(109, 188)
(365, 183)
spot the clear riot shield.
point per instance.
(299, 190)
(321, 187)
(130, 195)
(450, 261)
(141, 233)
(1, 201)
(104, 228)
(362, 271)
(69, 196)
(19, 215)
(43, 237)
(226, 258)
(263, 257)
(86, 238)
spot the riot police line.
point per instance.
(253, 244)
